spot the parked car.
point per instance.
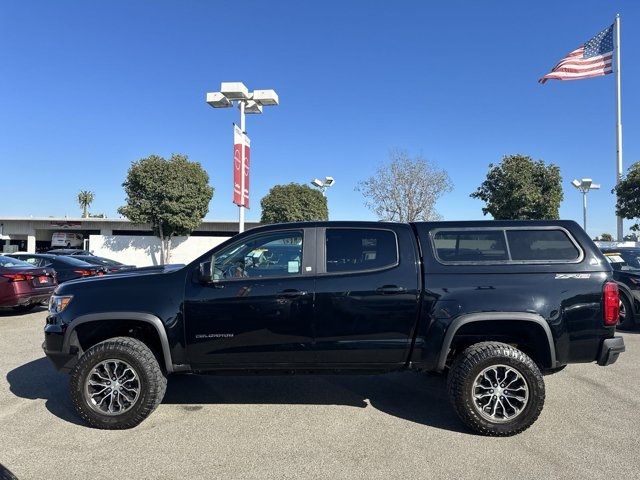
(625, 262)
(69, 251)
(23, 286)
(111, 266)
(66, 239)
(494, 304)
(66, 267)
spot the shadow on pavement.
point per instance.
(411, 396)
(39, 380)
(9, 312)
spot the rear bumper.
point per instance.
(610, 351)
(26, 299)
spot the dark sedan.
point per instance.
(625, 262)
(23, 286)
(111, 266)
(68, 251)
(66, 267)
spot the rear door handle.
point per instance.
(390, 290)
(291, 293)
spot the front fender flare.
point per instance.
(137, 316)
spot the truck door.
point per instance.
(258, 310)
(367, 294)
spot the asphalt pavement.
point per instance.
(315, 427)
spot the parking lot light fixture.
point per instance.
(248, 103)
(584, 185)
(322, 185)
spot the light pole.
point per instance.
(584, 185)
(323, 184)
(248, 103)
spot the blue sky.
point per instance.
(88, 87)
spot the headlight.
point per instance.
(57, 303)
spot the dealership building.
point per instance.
(115, 238)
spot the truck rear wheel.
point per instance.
(117, 383)
(496, 389)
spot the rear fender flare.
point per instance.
(493, 316)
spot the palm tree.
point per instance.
(85, 198)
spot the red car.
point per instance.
(23, 286)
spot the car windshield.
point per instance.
(74, 262)
(624, 260)
(8, 262)
(98, 260)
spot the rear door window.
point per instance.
(541, 245)
(470, 246)
(359, 249)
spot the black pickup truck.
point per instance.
(493, 304)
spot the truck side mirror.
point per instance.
(204, 273)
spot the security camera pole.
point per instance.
(584, 185)
(251, 103)
(323, 185)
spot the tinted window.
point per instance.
(541, 245)
(9, 262)
(33, 261)
(360, 249)
(470, 246)
(275, 255)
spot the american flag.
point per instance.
(592, 59)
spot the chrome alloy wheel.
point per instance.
(500, 393)
(112, 387)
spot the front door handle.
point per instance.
(390, 290)
(291, 293)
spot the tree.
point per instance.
(293, 203)
(520, 188)
(172, 195)
(628, 193)
(85, 198)
(606, 237)
(405, 189)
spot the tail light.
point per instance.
(17, 277)
(611, 303)
(85, 273)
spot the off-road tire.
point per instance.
(470, 363)
(627, 323)
(153, 382)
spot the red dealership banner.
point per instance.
(241, 167)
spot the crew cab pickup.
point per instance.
(494, 305)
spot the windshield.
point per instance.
(8, 262)
(624, 260)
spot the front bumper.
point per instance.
(610, 351)
(53, 347)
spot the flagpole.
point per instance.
(618, 120)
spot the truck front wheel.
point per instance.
(117, 383)
(496, 389)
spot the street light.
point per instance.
(584, 185)
(323, 185)
(248, 103)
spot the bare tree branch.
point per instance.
(406, 189)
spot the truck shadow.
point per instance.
(410, 396)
